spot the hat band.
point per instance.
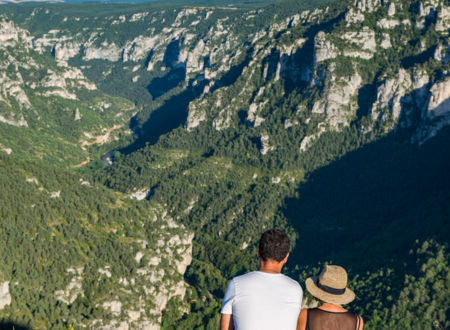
(330, 290)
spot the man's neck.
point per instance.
(270, 266)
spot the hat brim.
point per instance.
(345, 298)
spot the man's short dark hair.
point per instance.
(274, 244)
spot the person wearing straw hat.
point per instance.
(330, 287)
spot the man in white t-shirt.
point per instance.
(264, 299)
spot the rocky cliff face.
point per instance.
(340, 63)
(172, 41)
(46, 96)
(176, 34)
(17, 49)
(436, 114)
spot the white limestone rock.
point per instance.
(427, 7)
(54, 79)
(134, 315)
(386, 41)
(77, 114)
(259, 35)
(184, 13)
(5, 296)
(58, 83)
(140, 194)
(138, 48)
(307, 142)
(252, 113)
(55, 194)
(32, 180)
(390, 94)
(420, 81)
(138, 17)
(19, 94)
(11, 35)
(442, 52)
(8, 31)
(387, 24)
(406, 22)
(289, 123)
(153, 261)
(5, 149)
(194, 60)
(364, 40)
(12, 85)
(443, 19)
(265, 144)
(223, 119)
(276, 180)
(339, 105)
(323, 49)
(105, 271)
(190, 206)
(186, 252)
(61, 93)
(114, 306)
(196, 115)
(73, 289)
(354, 16)
(20, 122)
(391, 9)
(117, 325)
(367, 6)
(65, 51)
(439, 100)
(105, 51)
(139, 256)
(437, 114)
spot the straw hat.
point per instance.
(330, 286)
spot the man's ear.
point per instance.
(257, 253)
(285, 258)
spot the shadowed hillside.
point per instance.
(351, 210)
(370, 210)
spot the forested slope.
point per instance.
(76, 253)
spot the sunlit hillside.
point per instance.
(145, 147)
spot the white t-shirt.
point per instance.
(262, 301)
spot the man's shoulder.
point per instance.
(292, 282)
(245, 277)
(260, 276)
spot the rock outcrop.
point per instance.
(437, 114)
(265, 144)
(399, 93)
(364, 40)
(73, 289)
(5, 149)
(439, 99)
(367, 6)
(338, 105)
(324, 49)
(105, 51)
(390, 94)
(5, 296)
(195, 116)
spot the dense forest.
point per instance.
(226, 122)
